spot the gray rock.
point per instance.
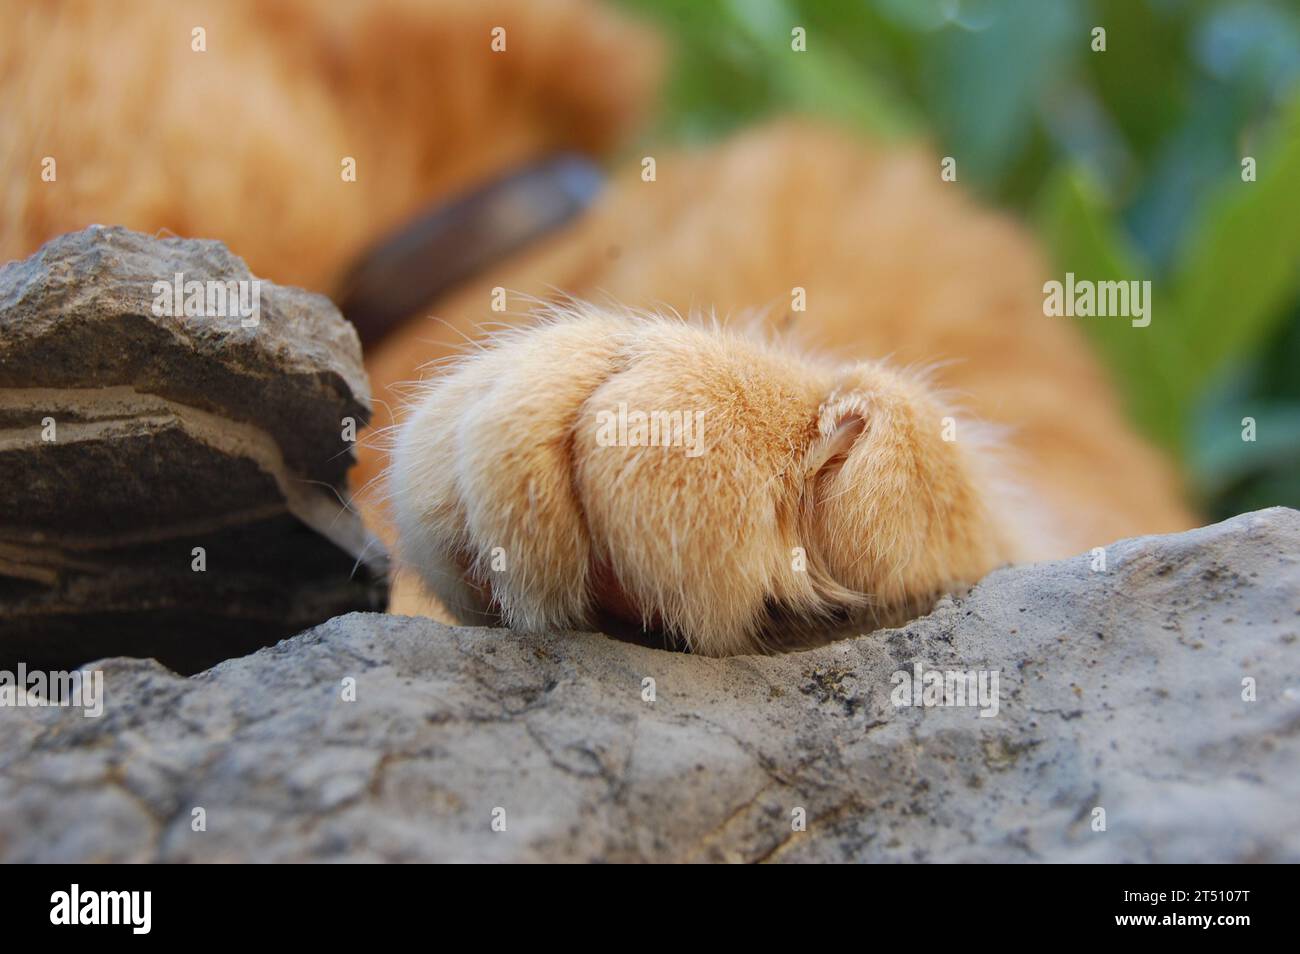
(129, 436)
(1119, 690)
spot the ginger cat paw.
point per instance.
(728, 491)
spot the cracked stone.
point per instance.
(450, 724)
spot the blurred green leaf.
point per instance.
(830, 83)
(1219, 458)
(983, 85)
(1143, 76)
(1079, 229)
(1241, 264)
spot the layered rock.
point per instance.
(172, 467)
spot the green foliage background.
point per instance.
(1127, 162)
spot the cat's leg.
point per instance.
(303, 131)
(887, 259)
(722, 488)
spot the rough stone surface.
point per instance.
(128, 438)
(1120, 690)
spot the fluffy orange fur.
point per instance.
(808, 489)
(767, 528)
(245, 142)
(919, 423)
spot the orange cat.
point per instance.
(234, 119)
(790, 490)
(871, 408)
